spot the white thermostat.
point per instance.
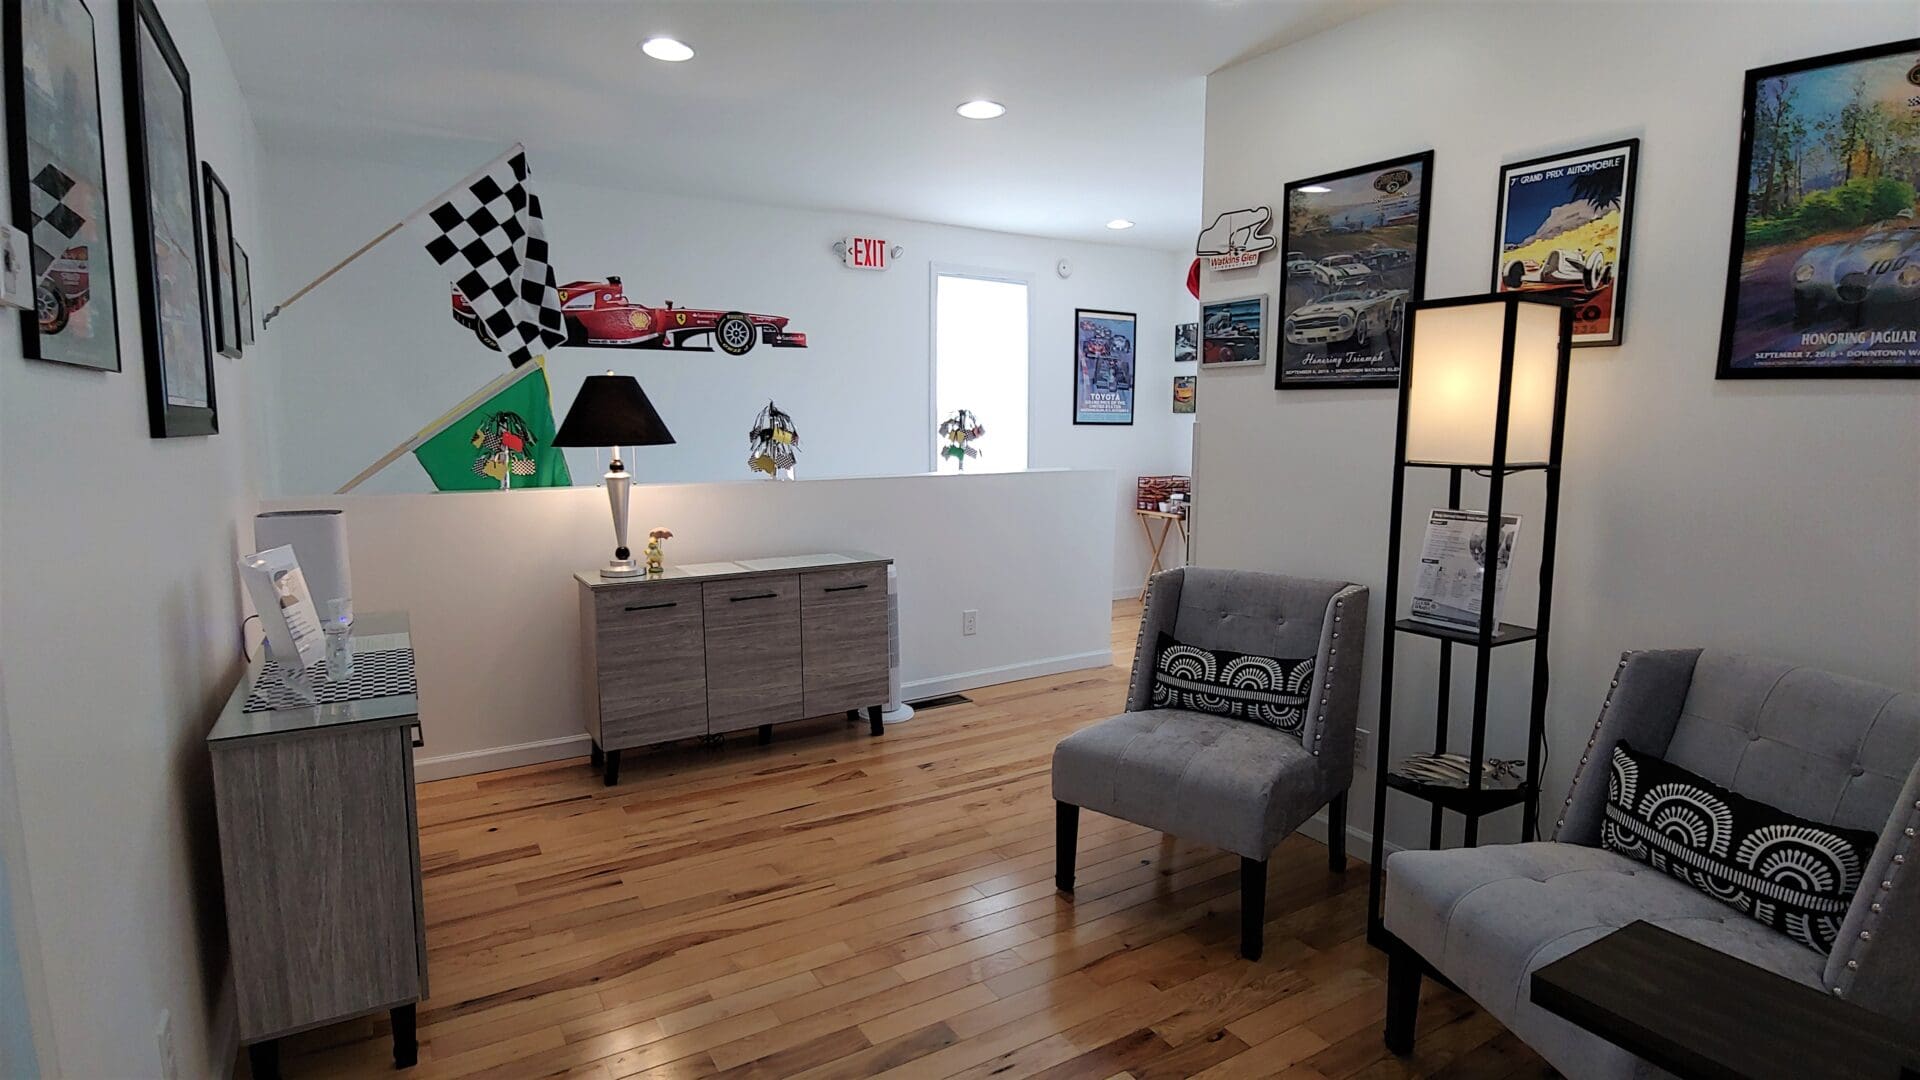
(1064, 268)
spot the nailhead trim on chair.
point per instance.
(1874, 910)
(1561, 822)
(1332, 651)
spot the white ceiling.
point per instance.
(832, 104)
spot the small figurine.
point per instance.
(656, 558)
(773, 443)
(960, 430)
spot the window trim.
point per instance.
(936, 271)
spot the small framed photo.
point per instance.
(1233, 333)
(1103, 366)
(1355, 249)
(1562, 226)
(1184, 387)
(1186, 342)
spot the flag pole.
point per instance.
(390, 230)
(440, 424)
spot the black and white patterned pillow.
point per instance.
(1795, 875)
(1269, 692)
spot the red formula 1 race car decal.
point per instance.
(599, 315)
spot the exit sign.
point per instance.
(865, 253)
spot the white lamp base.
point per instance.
(615, 568)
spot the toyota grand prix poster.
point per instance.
(1823, 278)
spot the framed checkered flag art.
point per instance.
(489, 234)
(57, 177)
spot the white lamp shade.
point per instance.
(1454, 392)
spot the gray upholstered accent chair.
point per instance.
(1817, 745)
(1229, 783)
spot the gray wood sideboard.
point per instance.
(320, 855)
(708, 648)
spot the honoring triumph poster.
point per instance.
(1355, 257)
(1824, 275)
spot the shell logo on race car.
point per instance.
(639, 320)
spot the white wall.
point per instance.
(487, 578)
(373, 354)
(118, 638)
(1776, 517)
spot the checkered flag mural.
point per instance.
(489, 233)
(55, 224)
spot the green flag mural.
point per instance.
(506, 441)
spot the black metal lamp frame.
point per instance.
(1474, 801)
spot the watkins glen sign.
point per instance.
(1236, 239)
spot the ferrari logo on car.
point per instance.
(681, 318)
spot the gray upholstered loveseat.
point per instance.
(1226, 782)
(1819, 746)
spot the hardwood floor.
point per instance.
(834, 905)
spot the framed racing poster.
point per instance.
(1823, 271)
(1233, 332)
(1561, 231)
(1354, 254)
(1103, 366)
(57, 177)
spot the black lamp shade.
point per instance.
(612, 410)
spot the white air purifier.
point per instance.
(896, 710)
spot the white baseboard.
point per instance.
(1359, 841)
(1005, 673)
(1131, 592)
(493, 758)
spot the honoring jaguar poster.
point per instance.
(1103, 367)
(1562, 232)
(1355, 256)
(1824, 274)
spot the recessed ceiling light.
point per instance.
(1316, 189)
(1119, 223)
(980, 109)
(666, 48)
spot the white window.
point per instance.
(980, 364)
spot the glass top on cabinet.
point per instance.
(372, 632)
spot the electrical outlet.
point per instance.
(163, 1033)
(967, 619)
(1362, 742)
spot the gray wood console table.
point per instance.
(320, 853)
(708, 648)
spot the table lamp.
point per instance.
(612, 411)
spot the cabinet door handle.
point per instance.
(844, 588)
(653, 607)
(755, 596)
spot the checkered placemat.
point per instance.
(382, 673)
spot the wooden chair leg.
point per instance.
(1403, 998)
(1066, 834)
(1253, 907)
(1337, 834)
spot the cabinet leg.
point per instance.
(853, 714)
(406, 1048)
(594, 757)
(613, 767)
(766, 734)
(873, 720)
(264, 1059)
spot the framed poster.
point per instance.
(57, 166)
(166, 227)
(1233, 333)
(243, 282)
(1186, 342)
(1103, 366)
(1355, 254)
(1823, 271)
(1184, 389)
(226, 291)
(1561, 229)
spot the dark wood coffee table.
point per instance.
(1704, 1015)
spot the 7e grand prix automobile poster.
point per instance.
(1562, 233)
(1103, 367)
(1355, 257)
(1824, 275)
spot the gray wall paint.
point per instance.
(1777, 517)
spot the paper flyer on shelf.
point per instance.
(1453, 563)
